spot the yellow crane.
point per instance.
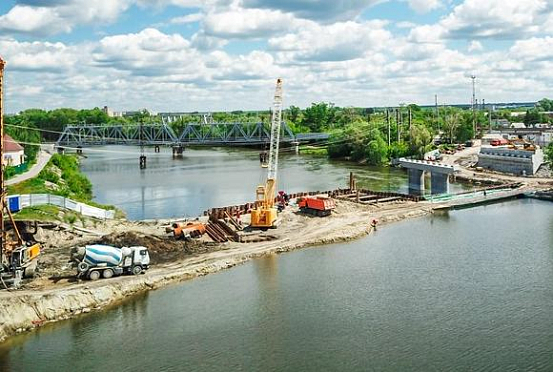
(265, 213)
(17, 259)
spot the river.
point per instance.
(467, 290)
(215, 177)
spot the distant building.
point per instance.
(13, 152)
(523, 162)
(517, 125)
(108, 111)
(503, 123)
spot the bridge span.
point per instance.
(439, 175)
(198, 134)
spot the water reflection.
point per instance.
(206, 178)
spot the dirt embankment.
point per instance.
(57, 295)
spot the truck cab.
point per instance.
(137, 261)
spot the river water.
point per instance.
(470, 290)
(206, 178)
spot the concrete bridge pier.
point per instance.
(416, 181)
(439, 183)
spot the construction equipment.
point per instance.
(187, 230)
(319, 205)
(18, 259)
(264, 215)
(95, 261)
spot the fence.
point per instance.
(17, 202)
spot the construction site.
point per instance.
(52, 271)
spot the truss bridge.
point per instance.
(205, 133)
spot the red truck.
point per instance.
(316, 205)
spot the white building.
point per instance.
(13, 152)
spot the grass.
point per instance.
(47, 213)
(311, 150)
(72, 184)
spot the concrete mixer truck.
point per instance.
(95, 261)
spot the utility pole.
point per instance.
(398, 124)
(437, 110)
(142, 156)
(490, 118)
(473, 77)
(389, 131)
(410, 118)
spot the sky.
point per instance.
(221, 55)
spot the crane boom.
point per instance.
(275, 132)
(265, 213)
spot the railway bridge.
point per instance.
(198, 134)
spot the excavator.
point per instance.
(264, 215)
(18, 259)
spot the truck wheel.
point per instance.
(82, 267)
(136, 270)
(108, 273)
(94, 275)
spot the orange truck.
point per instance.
(316, 205)
(188, 230)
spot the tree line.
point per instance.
(367, 135)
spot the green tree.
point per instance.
(320, 116)
(294, 113)
(532, 117)
(549, 152)
(376, 150)
(451, 123)
(545, 105)
(421, 140)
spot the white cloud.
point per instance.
(189, 18)
(336, 42)
(475, 46)
(424, 6)
(497, 19)
(534, 49)
(320, 10)
(247, 23)
(45, 18)
(61, 16)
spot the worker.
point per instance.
(374, 222)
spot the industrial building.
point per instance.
(519, 161)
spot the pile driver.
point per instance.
(264, 214)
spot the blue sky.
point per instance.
(188, 55)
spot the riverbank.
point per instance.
(59, 296)
(45, 301)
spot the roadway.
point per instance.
(44, 156)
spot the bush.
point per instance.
(49, 176)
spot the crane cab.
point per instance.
(264, 217)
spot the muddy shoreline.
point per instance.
(28, 309)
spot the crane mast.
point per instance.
(17, 259)
(2, 190)
(265, 213)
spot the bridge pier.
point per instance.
(177, 151)
(439, 183)
(439, 175)
(416, 181)
(142, 161)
